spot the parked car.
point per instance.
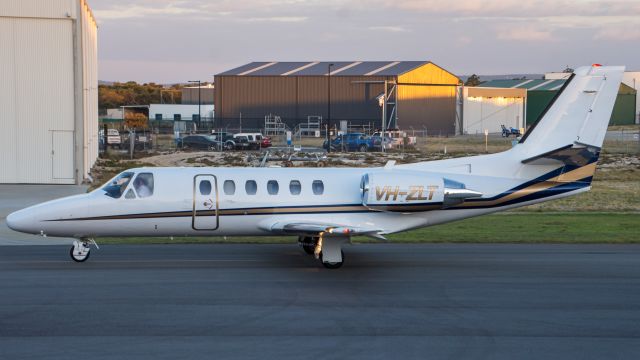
(201, 142)
(246, 141)
(113, 138)
(389, 142)
(142, 141)
(399, 138)
(351, 142)
(266, 142)
(222, 136)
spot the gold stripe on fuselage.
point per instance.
(571, 176)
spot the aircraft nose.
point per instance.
(20, 221)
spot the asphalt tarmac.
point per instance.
(389, 301)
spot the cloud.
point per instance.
(138, 11)
(282, 19)
(526, 33)
(394, 29)
(618, 34)
(521, 8)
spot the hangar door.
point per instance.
(62, 154)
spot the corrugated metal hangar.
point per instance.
(540, 92)
(420, 94)
(48, 92)
(622, 109)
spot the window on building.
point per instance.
(205, 187)
(177, 117)
(159, 117)
(251, 187)
(229, 187)
(273, 187)
(295, 187)
(318, 187)
(144, 184)
(195, 117)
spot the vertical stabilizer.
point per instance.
(579, 114)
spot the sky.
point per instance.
(167, 41)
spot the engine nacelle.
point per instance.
(402, 191)
(411, 191)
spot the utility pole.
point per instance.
(329, 107)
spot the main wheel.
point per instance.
(229, 146)
(308, 245)
(81, 256)
(332, 265)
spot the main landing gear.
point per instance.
(328, 249)
(80, 250)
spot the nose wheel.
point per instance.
(80, 250)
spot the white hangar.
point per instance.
(48, 92)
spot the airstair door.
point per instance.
(205, 202)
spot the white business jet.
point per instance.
(325, 207)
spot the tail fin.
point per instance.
(579, 114)
(571, 130)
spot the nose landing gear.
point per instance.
(80, 250)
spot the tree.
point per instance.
(132, 93)
(473, 80)
(136, 120)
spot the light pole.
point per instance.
(199, 112)
(329, 107)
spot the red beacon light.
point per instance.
(596, 65)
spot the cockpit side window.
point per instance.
(144, 185)
(116, 187)
(130, 194)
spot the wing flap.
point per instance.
(316, 228)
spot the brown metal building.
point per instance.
(421, 95)
(205, 94)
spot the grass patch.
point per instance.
(498, 228)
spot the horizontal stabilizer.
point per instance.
(575, 155)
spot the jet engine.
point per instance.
(410, 191)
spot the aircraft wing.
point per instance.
(315, 228)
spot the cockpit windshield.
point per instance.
(115, 188)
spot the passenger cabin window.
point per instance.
(144, 185)
(205, 187)
(229, 187)
(272, 187)
(295, 187)
(318, 187)
(116, 187)
(251, 187)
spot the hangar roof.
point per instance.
(320, 68)
(541, 85)
(530, 85)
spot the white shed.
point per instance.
(486, 108)
(180, 112)
(48, 92)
